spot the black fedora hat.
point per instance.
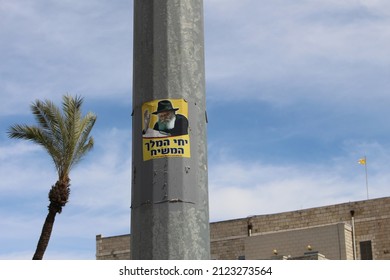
(164, 106)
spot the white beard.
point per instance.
(171, 123)
(167, 125)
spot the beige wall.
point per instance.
(329, 240)
(229, 238)
(372, 222)
(113, 248)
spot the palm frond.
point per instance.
(64, 135)
(38, 136)
(50, 119)
(72, 112)
(84, 141)
(32, 133)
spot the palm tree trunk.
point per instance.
(58, 196)
(45, 234)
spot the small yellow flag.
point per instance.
(362, 161)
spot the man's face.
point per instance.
(166, 116)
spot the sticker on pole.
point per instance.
(165, 129)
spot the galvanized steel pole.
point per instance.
(170, 216)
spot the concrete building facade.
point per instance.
(347, 231)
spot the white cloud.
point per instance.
(25, 168)
(104, 180)
(50, 255)
(21, 225)
(256, 187)
(68, 47)
(318, 51)
(16, 150)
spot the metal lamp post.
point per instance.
(170, 216)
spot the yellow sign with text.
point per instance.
(165, 129)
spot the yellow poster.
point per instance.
(165, 129)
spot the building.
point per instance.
(347, 231)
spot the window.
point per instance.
(365, 250)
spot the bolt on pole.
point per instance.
(169, 210)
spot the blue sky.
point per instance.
(297, 92)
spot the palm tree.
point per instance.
(65, 136)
